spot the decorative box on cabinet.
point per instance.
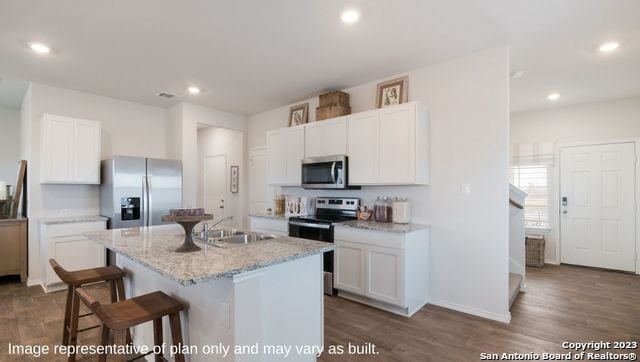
(386, 270)
(13, 247)
(70, 150)
(65, 243)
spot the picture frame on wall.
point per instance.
(299, 114)
(392, 92)
(235, 179)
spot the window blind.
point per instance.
(534, 181)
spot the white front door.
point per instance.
(215, 185)
(261, 192)
(597, 206)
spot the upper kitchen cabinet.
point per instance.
(326, 138)
(285, 151)
(70, 150)
(389, 146)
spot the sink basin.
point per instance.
(224, 233)
(245, 238)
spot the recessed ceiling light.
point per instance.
(516, 73)
(194, 90)
(608, 47)
(553, 96)
(40, 48)
(350, 16)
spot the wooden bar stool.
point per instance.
(77, 279)
(119, 317)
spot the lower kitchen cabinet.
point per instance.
(386, 270)
(65, 243)
(269, 225)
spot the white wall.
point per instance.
(468, 98)
(128, 128)
(536, 132)
(9, 144)
(216, 141)
(182, 141)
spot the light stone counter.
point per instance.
(382, 226)
(270, 216)
(154, 247)
(71, 219)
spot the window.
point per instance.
(534, 181)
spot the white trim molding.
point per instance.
(504, 318)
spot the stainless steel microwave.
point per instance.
(325, 172)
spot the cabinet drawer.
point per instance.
(281, 226)
(59, 230)
(370, 237)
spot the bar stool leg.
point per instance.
(121, 296)
(176, 334)
(120, 339)
(104, 341)
(73, 330)
(67, 316)
(113, 290)
(157, 337)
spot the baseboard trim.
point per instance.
(32, 282)
(504, 318)
(551, 261)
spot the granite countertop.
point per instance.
(154, 248)
(270, 216)
(382, 226)
(71, 219)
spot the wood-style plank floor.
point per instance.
(563, 303)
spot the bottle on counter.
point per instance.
(279, 202)
(401, 210)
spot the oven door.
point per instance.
(324, 172)
(313, 230)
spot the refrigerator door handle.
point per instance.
(145, 208)
(149, 202)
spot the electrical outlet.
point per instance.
(466, 189)
(226, 314)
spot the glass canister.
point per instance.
(279, 202)
(382, 210)
(401, 210)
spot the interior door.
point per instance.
(261, 192)
(597, 205)
(215, 185)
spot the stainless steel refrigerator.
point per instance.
(138, 191)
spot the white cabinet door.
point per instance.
(362, 142)
(385, 275)
(326, 138)
(87, 152)
(398, 145)
(276, 157)
(57, 165)
(349, 265)
(295, 154)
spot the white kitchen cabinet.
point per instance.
(70, 150)
(386, 270)
(285, 151)
(326, 138)
(362, 138)
(389, 146)
(349, 267)
(66, 244)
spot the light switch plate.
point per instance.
(465, 189)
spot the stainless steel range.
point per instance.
(329, 210)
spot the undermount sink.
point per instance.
(245, 239)
(224, 233)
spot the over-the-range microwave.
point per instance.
(330, 172)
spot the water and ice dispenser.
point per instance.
(130, 208)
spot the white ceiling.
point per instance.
(253, 55)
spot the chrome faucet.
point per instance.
(204, 233)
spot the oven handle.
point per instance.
(310, 225)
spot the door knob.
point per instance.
(564, 211)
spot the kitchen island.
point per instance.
(250, 302)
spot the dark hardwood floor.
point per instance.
(563, 303)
